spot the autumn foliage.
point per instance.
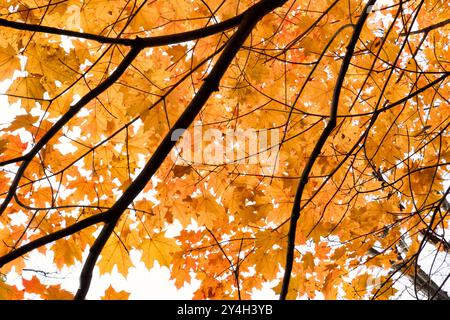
(354, 207)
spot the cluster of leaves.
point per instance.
(359, 94)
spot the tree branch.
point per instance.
(211, 84)
(295, 214)
(52, 237)
(145, 42)
(128, 59)
(423, 281)
(427, 29)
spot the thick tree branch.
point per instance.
(52, 237)
(438, 240)
(295, 214)
(402, 100)
(429, 230)
(423, 281)
(427, 29)
(145, 42)
(129, 58)
(430, 288)
(211, 84)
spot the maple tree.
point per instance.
(357, 90)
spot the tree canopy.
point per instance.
(105, 100)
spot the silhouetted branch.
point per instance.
(295, 214)
(16, 253)
(211, 84)
(427, 29)
(141, 42)
(423, 281)
(66, 118)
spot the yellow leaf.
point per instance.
(56, 293)
(177, 52)
(358, 287)
(66, 252)
(9, 62)
(115, 254)
(27, 89)
(24, 121)
(8, 292)
(385, 291)
(208, 210)
(158, 248)
(112, 294)
(308, 262)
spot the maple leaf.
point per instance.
(158, 248)
(23, 122)
(115, 254)
(386, 291)
(8, 292)
(28, 89)
(112, 294)
(179, 171)
(177, 52)
(9, 61)
(308, 261)
(208, 210)
(66, 252)
(46, 292)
